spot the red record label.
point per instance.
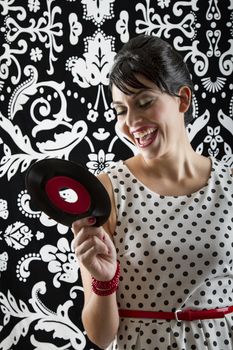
(68, 194)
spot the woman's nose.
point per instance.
(133, 118)
(130, 117)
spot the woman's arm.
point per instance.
(100, 314)
(97, 256)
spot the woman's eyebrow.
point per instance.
(134, 95)
(117, 103)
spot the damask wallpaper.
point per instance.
(54, 63)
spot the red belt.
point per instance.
(179, 315)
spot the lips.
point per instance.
(144, 137)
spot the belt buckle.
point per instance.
(176, 315)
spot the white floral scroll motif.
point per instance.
(75, 28)
(99, 162)
(36, 54)
(225, 121)
(46, 30)
(61, 262)
(195, 107)
(200, 60)
(22, 268)
(8, 58)
(48, 222)
(39, 235)
(101, 134)
(92, 115)
(200, 148)
(3, 262)
(3, 209)
(213, 37)
(226, 60)
(93, 70)
(9, 6)
(98, 58)
(122, 26)
(213, 138)
(98, 10)
(158, 25)
(64, 142)
(30, 87)
(18, 235)
(213, 12)
(39, 317)
(213, 86)
(21, 94)
(61, 147)
(231, 107)
(177, 4)
(198, 124)
(109, 115)
(10, 163)
(34, 5)
(23, 142)
(78, 68)
(42, 345)
(58, 118)
(163, 3)
(23, 202)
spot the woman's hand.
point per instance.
(94, 249)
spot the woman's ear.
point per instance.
(185, 98)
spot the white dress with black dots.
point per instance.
(176, 252)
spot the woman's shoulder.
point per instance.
(110, 224)
(120, 166)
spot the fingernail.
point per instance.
(91, 220)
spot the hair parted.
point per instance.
(157, 61)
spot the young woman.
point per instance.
(158, 274)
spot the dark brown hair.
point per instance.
(157, 61)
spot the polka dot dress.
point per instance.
(176, 252)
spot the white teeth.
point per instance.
(143, 133)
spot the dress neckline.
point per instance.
(193, 194)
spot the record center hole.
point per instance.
(68, 195)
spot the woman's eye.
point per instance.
(120, 111)
(145, 103)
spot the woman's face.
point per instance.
(152, 120)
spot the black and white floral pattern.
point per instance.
(54, 64)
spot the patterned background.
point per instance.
(55, 58)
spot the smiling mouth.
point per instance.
(145, 137)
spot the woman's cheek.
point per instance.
(124, 130)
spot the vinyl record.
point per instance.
(66, 191)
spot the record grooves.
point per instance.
(66, 191)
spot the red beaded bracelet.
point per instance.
(104, 288)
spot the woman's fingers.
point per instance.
(94, 248)
(87, 233)
(79, 224)
(92, 244)
(88, 238)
